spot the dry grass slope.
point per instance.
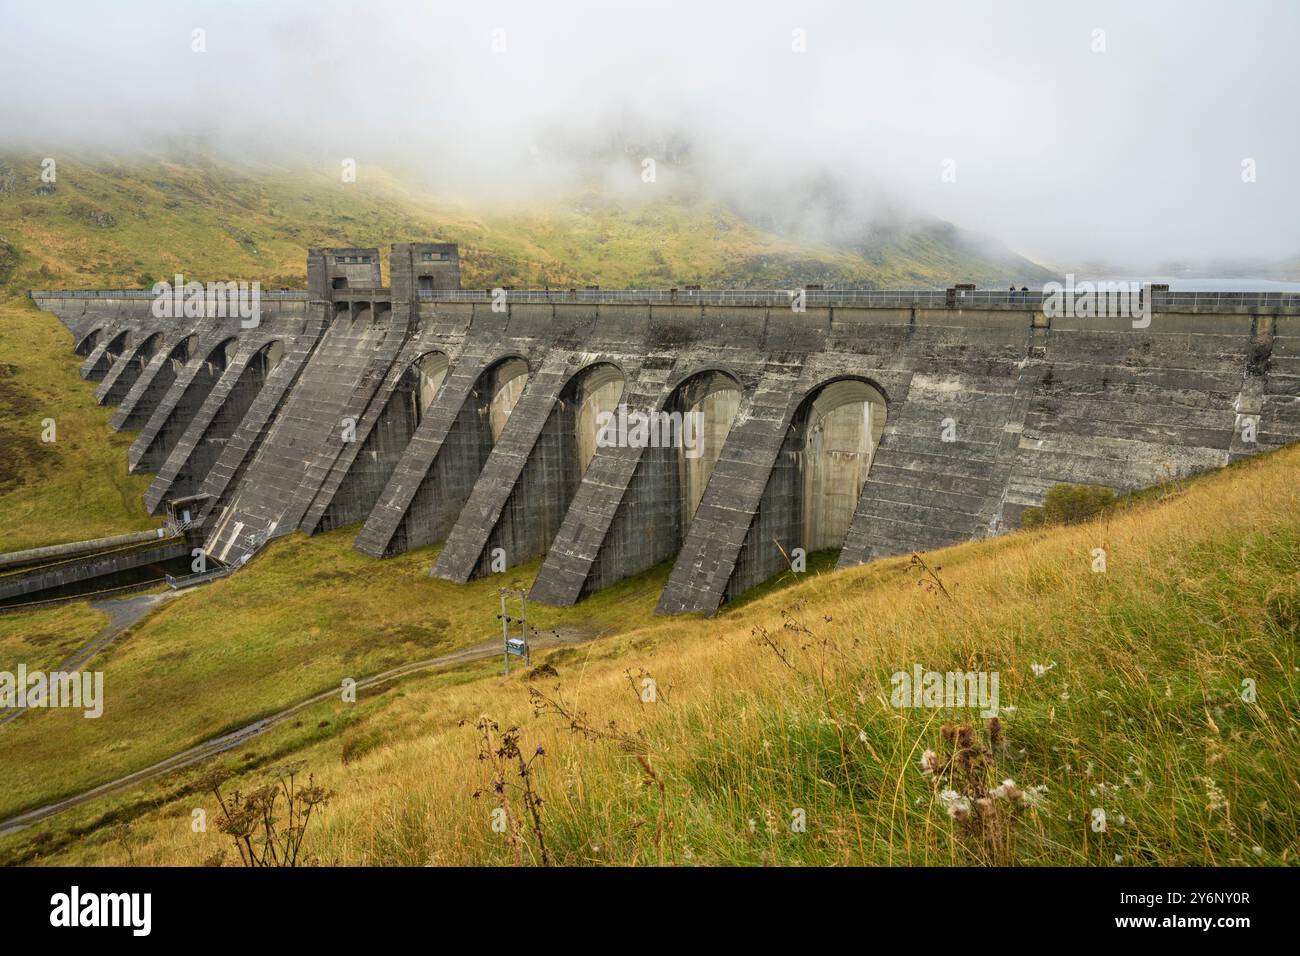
(1139, 707)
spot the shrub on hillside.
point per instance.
(1068, 504)
(8, 261)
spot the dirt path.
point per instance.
(210, 748)
(122, 613)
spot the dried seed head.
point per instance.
(995, 733)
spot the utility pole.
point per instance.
(505, 631)
(518, 646)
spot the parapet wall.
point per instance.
(988, 405)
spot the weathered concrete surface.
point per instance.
(126, 370)
(29, 582)
(984, 409)
(1278, 394)
(258, 375)
(173, 354)
(529, 478)
(71, 549)
(167, 423)
(351, 481)
(605, 495)
(412, 509)
(348, 483)
(336, 383)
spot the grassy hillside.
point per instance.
(109, 223)
(309, 614)
(76, 486)
(43, 640)
(1122, 693)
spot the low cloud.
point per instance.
(1069, 144)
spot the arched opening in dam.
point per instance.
(710, 400)
(594, 393)
(668, 484)
(163, 378)
(561, 455)
(243, 392)
(130, 372)
(842, 425)
(88, 343)
(815, 482)
(386, 441)
(176, 419)
(508, 381)
(468, 441)
(108, 358)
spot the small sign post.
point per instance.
(516, 646)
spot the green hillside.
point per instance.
(106, 223)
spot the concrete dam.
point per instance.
(872, 423)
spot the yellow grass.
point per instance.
(1141, 715)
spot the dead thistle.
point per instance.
(512, 773)
(929, 580)
(263, 834)
(986, 814)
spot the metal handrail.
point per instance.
(176, 582)
(280, 295)
(878, 298)
(873, 298)
(691, 296)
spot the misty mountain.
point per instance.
(129, 221)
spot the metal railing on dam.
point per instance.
(862, 298)
(812, 298)
(276, 295)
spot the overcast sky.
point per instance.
(1062, 151)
